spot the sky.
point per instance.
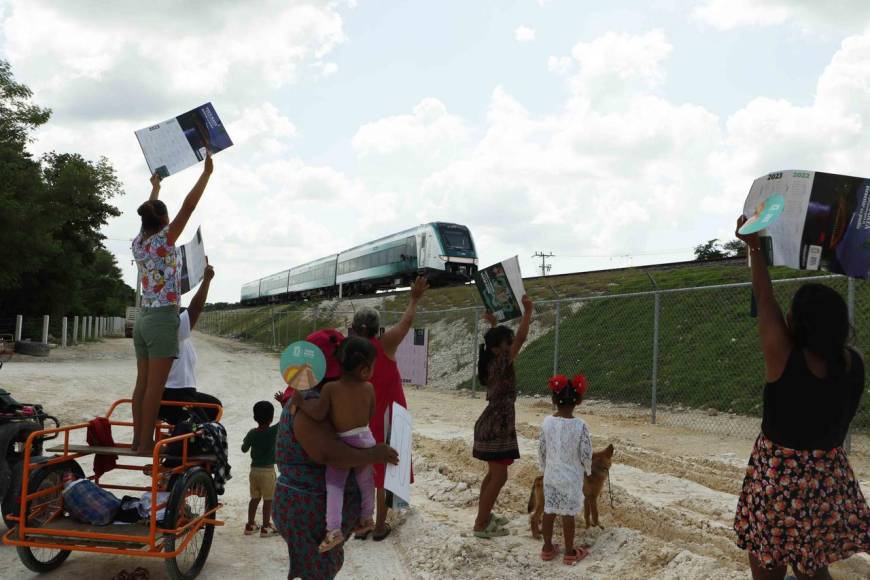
(610, 134)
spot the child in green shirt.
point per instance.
(261, 442)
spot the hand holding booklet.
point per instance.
(182, 141)
(811, 220)
(501, 289)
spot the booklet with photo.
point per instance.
(501, 288)
(192, 256)
(823, 221)
(182, 141)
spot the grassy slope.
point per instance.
(708, 347)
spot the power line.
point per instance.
(545, 267)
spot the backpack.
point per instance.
(87, 502)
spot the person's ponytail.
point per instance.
(152, 213)
(483, 359)
(494, 337)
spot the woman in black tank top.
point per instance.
(801, 505)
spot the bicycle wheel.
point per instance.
(39, 511)
(191, 496)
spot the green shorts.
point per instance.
(155, 334)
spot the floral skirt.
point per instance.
(801, 508)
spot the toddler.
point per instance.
(261, 442)
(565, 453)
(350, 404)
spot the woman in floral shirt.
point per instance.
(155, 334)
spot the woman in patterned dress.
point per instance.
(495, 434)
(801, 505)
(304, 447)
(155, 334)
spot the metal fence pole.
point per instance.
(274, 338)
(655, 359)
(19, 324)
(556, 338)
(75, 332)
(474, 349)
(45, 321)
(63, 332)
(850, 301)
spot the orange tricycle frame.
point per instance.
(87, 540)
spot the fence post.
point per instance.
(655, 361)
(75, 332)
(19, 324)
(63, 332)
(272, 316)
(45, 329)
(851, 304)
(556, 338)
(474, 349)
(88, 334)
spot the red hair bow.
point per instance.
(579, 383)
(557, 383)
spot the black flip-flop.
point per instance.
(382, 537)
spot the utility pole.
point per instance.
(545, 267)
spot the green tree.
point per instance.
(52, 212)
(735, 248)
(711, 250)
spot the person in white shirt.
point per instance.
(181, 383)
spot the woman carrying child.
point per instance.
(565, 454)
(801, 505)
(495, 434)
(349, 404)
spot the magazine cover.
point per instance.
(824, 222)
(501, 288)
(181, 142)
(192, 255)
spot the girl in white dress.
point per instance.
(565, 454)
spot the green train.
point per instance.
(443, 252)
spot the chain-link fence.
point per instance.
(688, 357)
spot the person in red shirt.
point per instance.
(387, 382)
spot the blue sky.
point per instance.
(584, 128)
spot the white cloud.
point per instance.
(524, 34)
(613, 64)
(811, 15)
(90, 62)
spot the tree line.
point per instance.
(52, 257)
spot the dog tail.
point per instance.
(531, 500)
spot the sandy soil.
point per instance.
(674, 489)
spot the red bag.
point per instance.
(100, 435)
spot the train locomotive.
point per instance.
(443, 252)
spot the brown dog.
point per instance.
(592, 486)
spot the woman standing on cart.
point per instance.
(155, 334)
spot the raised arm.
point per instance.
(155, 187)
(323, 446)
(317, 409)
(191, 201)
(198, 302)
(523, 330)
(394, 336)
(776, 341)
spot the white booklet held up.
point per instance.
(192, 255)
(183, 141)
(501, 288)
(813, 220)
(398, 477)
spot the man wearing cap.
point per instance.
(387, 382)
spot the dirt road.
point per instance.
(674, 491)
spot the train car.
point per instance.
(250, 292)
(443, 252)
(273, 288)
(313, 278)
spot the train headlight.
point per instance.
(444, 258)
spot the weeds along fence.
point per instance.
(688, 357)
